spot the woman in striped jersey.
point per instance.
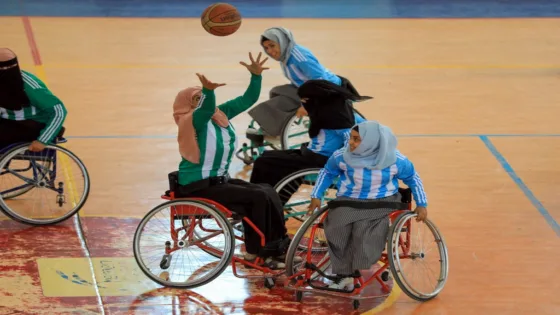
(298, 63)
(331, 116)
(358, 222)
(207, 142)
(29, 112)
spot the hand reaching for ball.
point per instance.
(207, 84)
(256, 67)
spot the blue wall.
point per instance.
(288, 8)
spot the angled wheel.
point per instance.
(172, 243)
(42, 188)
(295, 192)
(417, 257)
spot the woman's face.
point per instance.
(196, 99)
(355, 140)
(272, 49)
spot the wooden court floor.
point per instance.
(472, 101)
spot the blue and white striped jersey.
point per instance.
(329, 140)
(367, 183)
(303, 66)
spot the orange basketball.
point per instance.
(221, 19)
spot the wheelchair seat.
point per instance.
(172, 193)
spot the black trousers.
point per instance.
(12, 131)
(259, 203)
(272, 166)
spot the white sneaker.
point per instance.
(343, 284)
(249, 257)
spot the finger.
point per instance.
(243, 63)
(221, 84)
(265, 68)
(259, 57)
(262, 62)
(251, 57)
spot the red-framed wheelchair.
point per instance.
(188, 242)
(311, 275)
(42, 188)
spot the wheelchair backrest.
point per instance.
(173, 180)
(406, 195)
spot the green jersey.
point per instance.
(217, 145)
(44, 108)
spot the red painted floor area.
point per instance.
(43, 270)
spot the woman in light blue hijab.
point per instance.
(369, 168)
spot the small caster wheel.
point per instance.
(299, 296)
(165, 262)
(356, 304)
(385, 276)
(269, 283)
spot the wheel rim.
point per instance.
(48, 179)
(189, 264)
(411, 259)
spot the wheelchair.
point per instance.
(38, 188)
(310, 243)
(189, 242)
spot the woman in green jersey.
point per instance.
(207, 142)
(29, 112)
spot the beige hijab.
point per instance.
(183, 110)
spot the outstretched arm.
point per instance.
(240, 104)
(206, 107)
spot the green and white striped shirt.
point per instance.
(217, 145)
(44, 108)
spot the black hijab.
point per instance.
(329, 106)
(12, 93)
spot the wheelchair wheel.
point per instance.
(170, 252)
(15, 192)
(295, 191)
(55, 183)
(294, 133)
(309, 240)
(405, 255)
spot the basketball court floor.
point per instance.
(468, 89)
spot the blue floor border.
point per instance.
(507, 167)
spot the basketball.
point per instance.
(221, 19)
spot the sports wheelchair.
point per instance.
(39, 174)
(310, 244)
(198, 229)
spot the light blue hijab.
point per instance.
(378, 149)
(283, 37)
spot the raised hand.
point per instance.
(209, 85)
(256, 67)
